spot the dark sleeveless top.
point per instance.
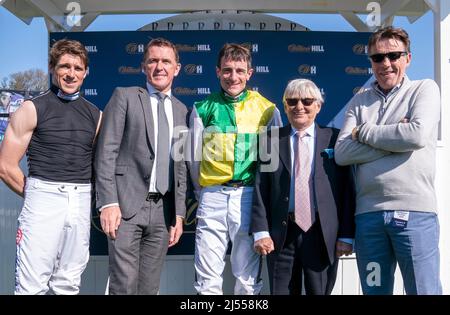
(61, 148)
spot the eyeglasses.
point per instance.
(305, 101)
(393, 55)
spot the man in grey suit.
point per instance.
(141, 187)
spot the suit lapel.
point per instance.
(285, 147)
(176, 113)
(322, 142)
(148, 116)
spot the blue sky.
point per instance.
(25, 46)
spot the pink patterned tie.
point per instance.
(303, 183)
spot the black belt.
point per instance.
(234, 183)
(155, 197)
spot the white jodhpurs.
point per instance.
(223, 215)
(52, 237)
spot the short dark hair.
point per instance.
(390, 32)
(161, 42)
(235, 52)
(67, 46)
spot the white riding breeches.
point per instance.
(223, 215)
(52, 237)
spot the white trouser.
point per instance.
(52, 237)
(223, 215)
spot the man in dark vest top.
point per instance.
(57, 130)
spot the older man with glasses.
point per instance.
(303, 209)
(390, 134)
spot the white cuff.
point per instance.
(259, 235)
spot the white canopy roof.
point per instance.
(55, 11)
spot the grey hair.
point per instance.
(302, 88)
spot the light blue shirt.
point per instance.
(309, 138)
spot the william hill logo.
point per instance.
(294, 48)
(192, 91)
(90, 92)
(262, 69)
(134, 48)
(129, 70)
(251, 46)
(307, 69)
(360, 49)
(358, 71)
(193, 48)
(192, 69)
(91, 49)
(203, 47)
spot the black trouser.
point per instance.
(303, 255)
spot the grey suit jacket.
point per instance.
(125, 152)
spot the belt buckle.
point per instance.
(234, 184)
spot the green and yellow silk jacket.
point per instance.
(224, 132)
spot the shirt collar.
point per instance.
(378, 89)
(234, 99)
(151, 90)
(310, 131)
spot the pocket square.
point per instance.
(328, 153)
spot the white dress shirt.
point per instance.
(169, 115)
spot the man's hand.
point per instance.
(176, 232)
(355, 133)
(343, 248)
(264, 246)
(404, 120)
(110, 220)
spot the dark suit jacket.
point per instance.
(334, 191)
(125, 152)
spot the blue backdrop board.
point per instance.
(336, 61)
